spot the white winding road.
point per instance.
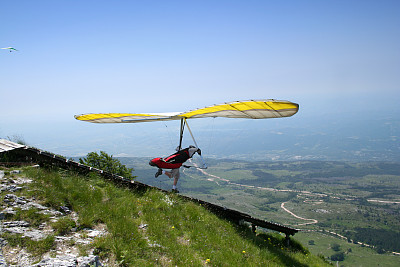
(298, 217)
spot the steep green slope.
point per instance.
(153, 228)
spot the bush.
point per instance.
(106, 162)
(335, 247)
(379, 250)
(19, 139)
(337, 256)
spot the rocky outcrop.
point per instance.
(64, 261)
(66, 251)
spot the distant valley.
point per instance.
(358, 204)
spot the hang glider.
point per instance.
(11, 49)
(250, 109)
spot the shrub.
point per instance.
(335, 247)
(106, 162)
(337, 256)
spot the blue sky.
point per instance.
(161, 56)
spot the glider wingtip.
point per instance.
(296, 110)
(79, 117)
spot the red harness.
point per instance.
(160, 163)
(176, 160)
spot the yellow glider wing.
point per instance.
(126, 117)
(251, 109)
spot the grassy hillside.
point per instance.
(153, 228)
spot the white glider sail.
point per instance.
(251, 109)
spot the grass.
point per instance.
(153, 228)
(32, 216)
(63, 225)
(358, 255)
(36, 248)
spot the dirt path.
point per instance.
(298, 217)
(383, 201)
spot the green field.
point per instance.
(341, 196)
(355, 255)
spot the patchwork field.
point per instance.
(354, 205)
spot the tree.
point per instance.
(106, 162)
(379, 250)
(338, 256)
(335, 247)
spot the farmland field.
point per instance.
(353, 205)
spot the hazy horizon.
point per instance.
(339, 60)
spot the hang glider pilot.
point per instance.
(174, 162)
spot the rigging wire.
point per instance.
(169, 136)
(190, 131)
(211, 137)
